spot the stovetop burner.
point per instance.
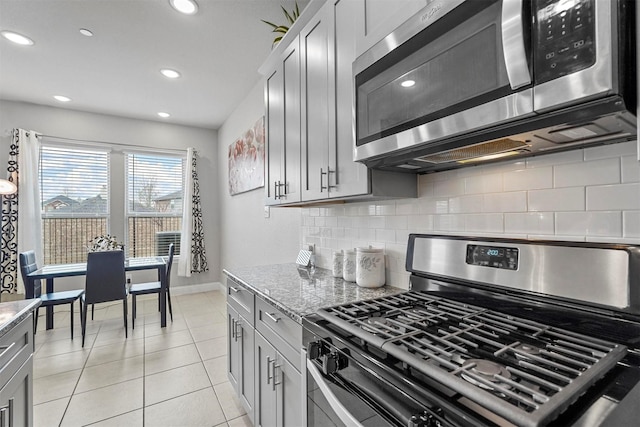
(522, 370)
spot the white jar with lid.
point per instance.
(337, 264)
(370, 268)
(349, 266)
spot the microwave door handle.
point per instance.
(343, 413)
(515, 53)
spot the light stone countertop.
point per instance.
(298, 291)
(13, 312)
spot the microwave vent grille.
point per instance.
(478, 150)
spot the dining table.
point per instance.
(54, 271)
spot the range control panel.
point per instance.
(493, 256)
(565, 37)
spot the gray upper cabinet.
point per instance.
(327, 46)
(309, 99)
(282, 126)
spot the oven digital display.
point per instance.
(493, 256)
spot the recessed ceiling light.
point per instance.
(408, 83)
(17, 38)
(86, 32)
(62, 98)
(169, 73)
(188, 7)
(164, 115)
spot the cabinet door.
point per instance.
(289, 394)
(265, 392)
(233, 348)
(16, 397)
(291, 93)
(314, 48)
(351, 178)
(378, 18)
(274, 132)
(246, 385)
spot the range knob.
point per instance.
(332, 363)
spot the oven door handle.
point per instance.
(513, 48)
(343, 413)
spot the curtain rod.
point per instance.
(74, 140)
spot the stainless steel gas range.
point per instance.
(493, 332)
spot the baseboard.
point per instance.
(193, 289)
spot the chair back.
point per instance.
(169, 264)
(106, 279)
(28, 265)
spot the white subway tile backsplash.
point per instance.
(606, 171)
(578, 195)
(484, 223)
(434, 205)
(589, 223)
(560, 199)
(483, 184)
(529, 179)
(631, 224)
(630, 169)
(454, 187)
(555, 159)
(610, 197)
(611, 150)
(514, 201)
(466, 204)
(530, 222)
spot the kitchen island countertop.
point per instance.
(13, 312)
(299, 291)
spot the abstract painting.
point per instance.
(246, 160)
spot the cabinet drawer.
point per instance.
(15, 348)
(241, 299)
(280, 330)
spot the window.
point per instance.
(74, 195)
(154, 203)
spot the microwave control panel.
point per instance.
(565, 37)
(492, 256)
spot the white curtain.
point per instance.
(22, 207)
(186, 234)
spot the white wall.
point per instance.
(588, 194)
(96, 127)
(247, 238)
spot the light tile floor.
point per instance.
(173, 376)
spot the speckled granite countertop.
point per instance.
(13, 312)
(297, 292)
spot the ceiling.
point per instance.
(218, 52)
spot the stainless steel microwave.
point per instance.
(469, 80)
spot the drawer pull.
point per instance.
(236, 290)
(272, 316)
(8, 408)
(233, 329)
(5, 350)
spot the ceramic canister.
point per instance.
(349, 266)
(337, 264)
(370, 269)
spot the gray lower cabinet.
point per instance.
(278, 388)
(240, 335)
(16, 375)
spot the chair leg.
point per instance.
(124, 304)
(83, 320)
(170, 310)
(72, 319)
(35, 321)
(133, 312)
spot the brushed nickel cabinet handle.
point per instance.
(272, 316)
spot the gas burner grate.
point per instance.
(542, 371)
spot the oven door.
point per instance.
(341, 392)
(454, 67)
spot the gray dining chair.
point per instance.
(152, 288)
(105, 281)
(28, 265)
